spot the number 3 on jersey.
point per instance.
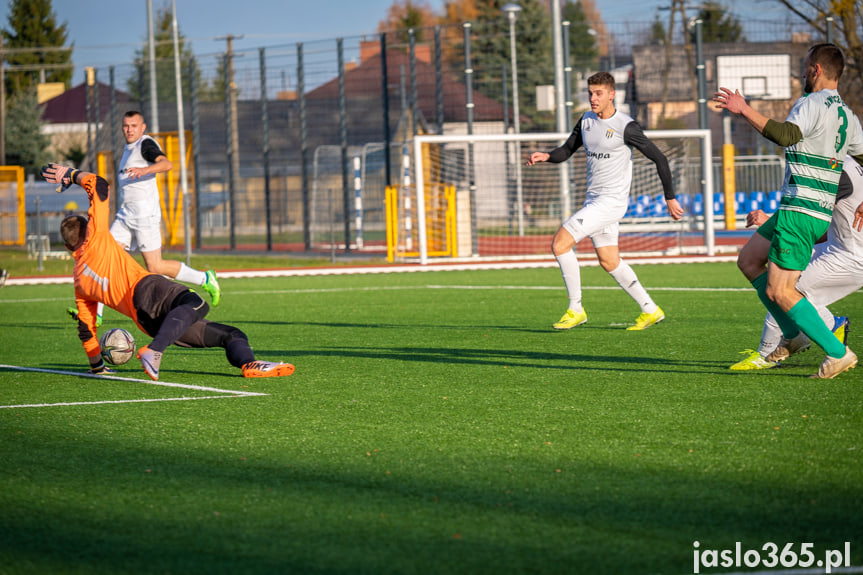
(843, 127)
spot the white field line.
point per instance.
(404, 268)
(227, 392)
(431, 286)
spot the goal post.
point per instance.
(518, 211)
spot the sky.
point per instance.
(108, 32)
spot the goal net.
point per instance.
(505, 210)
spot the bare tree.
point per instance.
(847, 31)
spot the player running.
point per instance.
(608, 137)
(167, 311)
(836, 270)
(818, 133)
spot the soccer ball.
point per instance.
(118, 346)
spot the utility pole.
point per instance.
(2, 103)
(232, 102)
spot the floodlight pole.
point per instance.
(181, 130)
(154, 98)
(511, 10)
(560, 102)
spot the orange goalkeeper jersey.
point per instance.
(104, 271)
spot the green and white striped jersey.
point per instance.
(813, 165)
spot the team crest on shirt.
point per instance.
(609, 134)
(833, 163)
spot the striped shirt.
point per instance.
(813, 165)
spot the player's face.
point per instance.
(133, 128)
(601, 100)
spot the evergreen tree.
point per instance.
(163, 36)
(583, 52)
(33, 24)
(718, 24)
(490, 53)
(25, 143)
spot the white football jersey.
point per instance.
(813, 165)
(609, 159)
(841, 232)
(139, 198)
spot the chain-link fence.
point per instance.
(274, 131)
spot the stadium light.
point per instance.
(511, 10)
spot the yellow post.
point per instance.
(392, 224)
(728, 185)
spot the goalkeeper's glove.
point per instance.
(57, 174)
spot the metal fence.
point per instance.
(275, 130)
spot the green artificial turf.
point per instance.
(435, 424)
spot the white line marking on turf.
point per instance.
(228, 392)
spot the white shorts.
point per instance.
(144, 239)
(830, 276)
(598, 221)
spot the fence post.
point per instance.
(343, 142)
(304, 148)
(438, 79)
(265, 121)
(229, 143)
(196, 146)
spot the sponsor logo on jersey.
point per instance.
(833, 163)
(598, 155)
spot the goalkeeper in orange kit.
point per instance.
(167, 311)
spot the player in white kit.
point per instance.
(137, 225)
(836, 270)
(608, 137)
(818, 133)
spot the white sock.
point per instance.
(100, 306)
(626, 278)
(770, 336)
(826, 316)
(188, 275)
(571, 273)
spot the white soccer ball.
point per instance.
(118, 346)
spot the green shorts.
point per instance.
(792, 237)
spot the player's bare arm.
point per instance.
(536, 158)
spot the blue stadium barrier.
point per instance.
(697, 204)
(718, 203)
(659, 209)
(775, 195)
(770, 205)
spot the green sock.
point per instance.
(806, 316)
(786, 324)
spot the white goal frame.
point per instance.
(555, 139)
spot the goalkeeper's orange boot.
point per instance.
(267, 369)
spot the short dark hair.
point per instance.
(132, 113)
(601, 79)
(73, 230)
(831, 59)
